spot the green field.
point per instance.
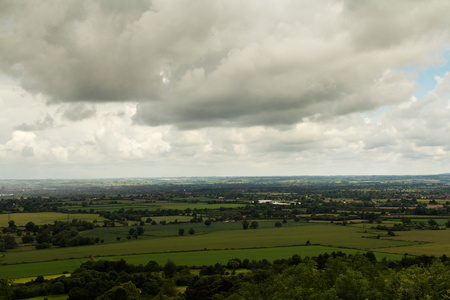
(151, 206)
(440, 222)
(294, 235)
(432, 242)
(42, 218)
(192, 258)
(199, 258)
(39, 268)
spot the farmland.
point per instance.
(45, 218)
(213, 220)
(189, 258)
(151, 206)
(169, 241)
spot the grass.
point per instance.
(109, 234)
(440, 222)
(40, 268)
(293, 235)
(210, 257)
(152, 206)
(192, 258)
(432, 242)
(42, 218)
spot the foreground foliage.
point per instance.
(335, 276)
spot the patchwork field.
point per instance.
(191, 258)
(429, 242)
(151, 206)
(296, 234)
(41, 218)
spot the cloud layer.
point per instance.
(290, 86)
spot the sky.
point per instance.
(105, 89)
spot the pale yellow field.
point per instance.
(46, 277)
(41, 218)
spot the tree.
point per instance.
(27, 238)
(57, 288)
(151, 287)
(245, 224)
(254, 225)
(11, 224)
(278, 224)
(191, 231)
(5, 289)
(432, 222)
(131, 231)
(234, 263)
(9, 242)
(181, 231)
(140, 230)
(127, 290)
(30, 226)
(208, 222)
(169, 268)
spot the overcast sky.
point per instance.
(223, 88)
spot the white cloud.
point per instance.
(222, 87)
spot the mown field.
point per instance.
(294, 235)
(218, 243)
(151, 206)
(41, 218)
(430, 242)
(191, 258)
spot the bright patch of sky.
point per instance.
(426, 78)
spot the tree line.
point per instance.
(327, 276)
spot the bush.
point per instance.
(28, 238)
(57, 288)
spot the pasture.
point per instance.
(39, 268)
(429, 242)
(42, 218)
(191, 258)
(151, 206)
(210, 257)
(214, 239)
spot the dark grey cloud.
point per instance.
(195, 64)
